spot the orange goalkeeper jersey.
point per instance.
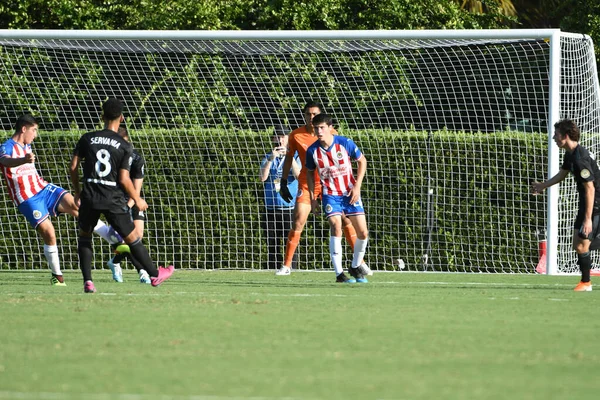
(299, 141)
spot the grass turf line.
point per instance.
(251, 335)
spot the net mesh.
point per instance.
(454, 131)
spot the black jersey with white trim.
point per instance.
(584, 168)
(103, 153)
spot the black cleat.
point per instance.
(356, 274)
(342, 278)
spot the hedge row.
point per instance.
(205, 200)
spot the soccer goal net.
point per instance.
(455, 126)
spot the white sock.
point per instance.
(112, 260)
(335, 250)
(359, 252)
(107, 233)
(51, 253)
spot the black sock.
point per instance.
(585, 265)
(118, 258)
(138, 266)
(141, 259)
(85, 251)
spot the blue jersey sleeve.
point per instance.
(310, 161)
(6, 149)
(352, 149)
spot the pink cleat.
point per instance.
(163, 275)
(88, 287)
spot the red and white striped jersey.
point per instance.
(23, 181)
(334, 165)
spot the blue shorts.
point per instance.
(43, 204)
(338, 205)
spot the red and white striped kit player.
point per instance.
(23, 181)
(334, 165)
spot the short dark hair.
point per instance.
(312, 104)
(568, 128)
(112, 109)
(322, 118)
(280, 130)
(25, 120)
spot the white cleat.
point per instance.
(117, 272)
(365, 270)
(144, 277)
(284, 271)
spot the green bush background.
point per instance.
(205, 196)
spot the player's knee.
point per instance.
(362, 235)
(298, 224)
(335, 227)
(132, 238)
(581, 247)
(46, 231)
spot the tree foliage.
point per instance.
(247, 14)
(582, 16)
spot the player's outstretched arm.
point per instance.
(137, 185)
(127, 185)
(74, 173)
(9, 162)
(360, 175)
(538, 187)
(296, 168)
(284, 191)
(310, 181)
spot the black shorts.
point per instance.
(136, 214)
(595, 222)
(120, 220)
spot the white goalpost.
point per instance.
(455, 126)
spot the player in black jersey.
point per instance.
(136, 173)
(107, 159)
(582, 164)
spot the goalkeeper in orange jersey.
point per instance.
(300, 140)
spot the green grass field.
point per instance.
(250, 335)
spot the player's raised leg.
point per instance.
(48, 234)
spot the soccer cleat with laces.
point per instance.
(57, 280)
(358, 275)
(144, 277)
(88, 287)
(163, 275)
(364, 269)
(283, 271)
(583, 287)
(117, 272)
(343, 278)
